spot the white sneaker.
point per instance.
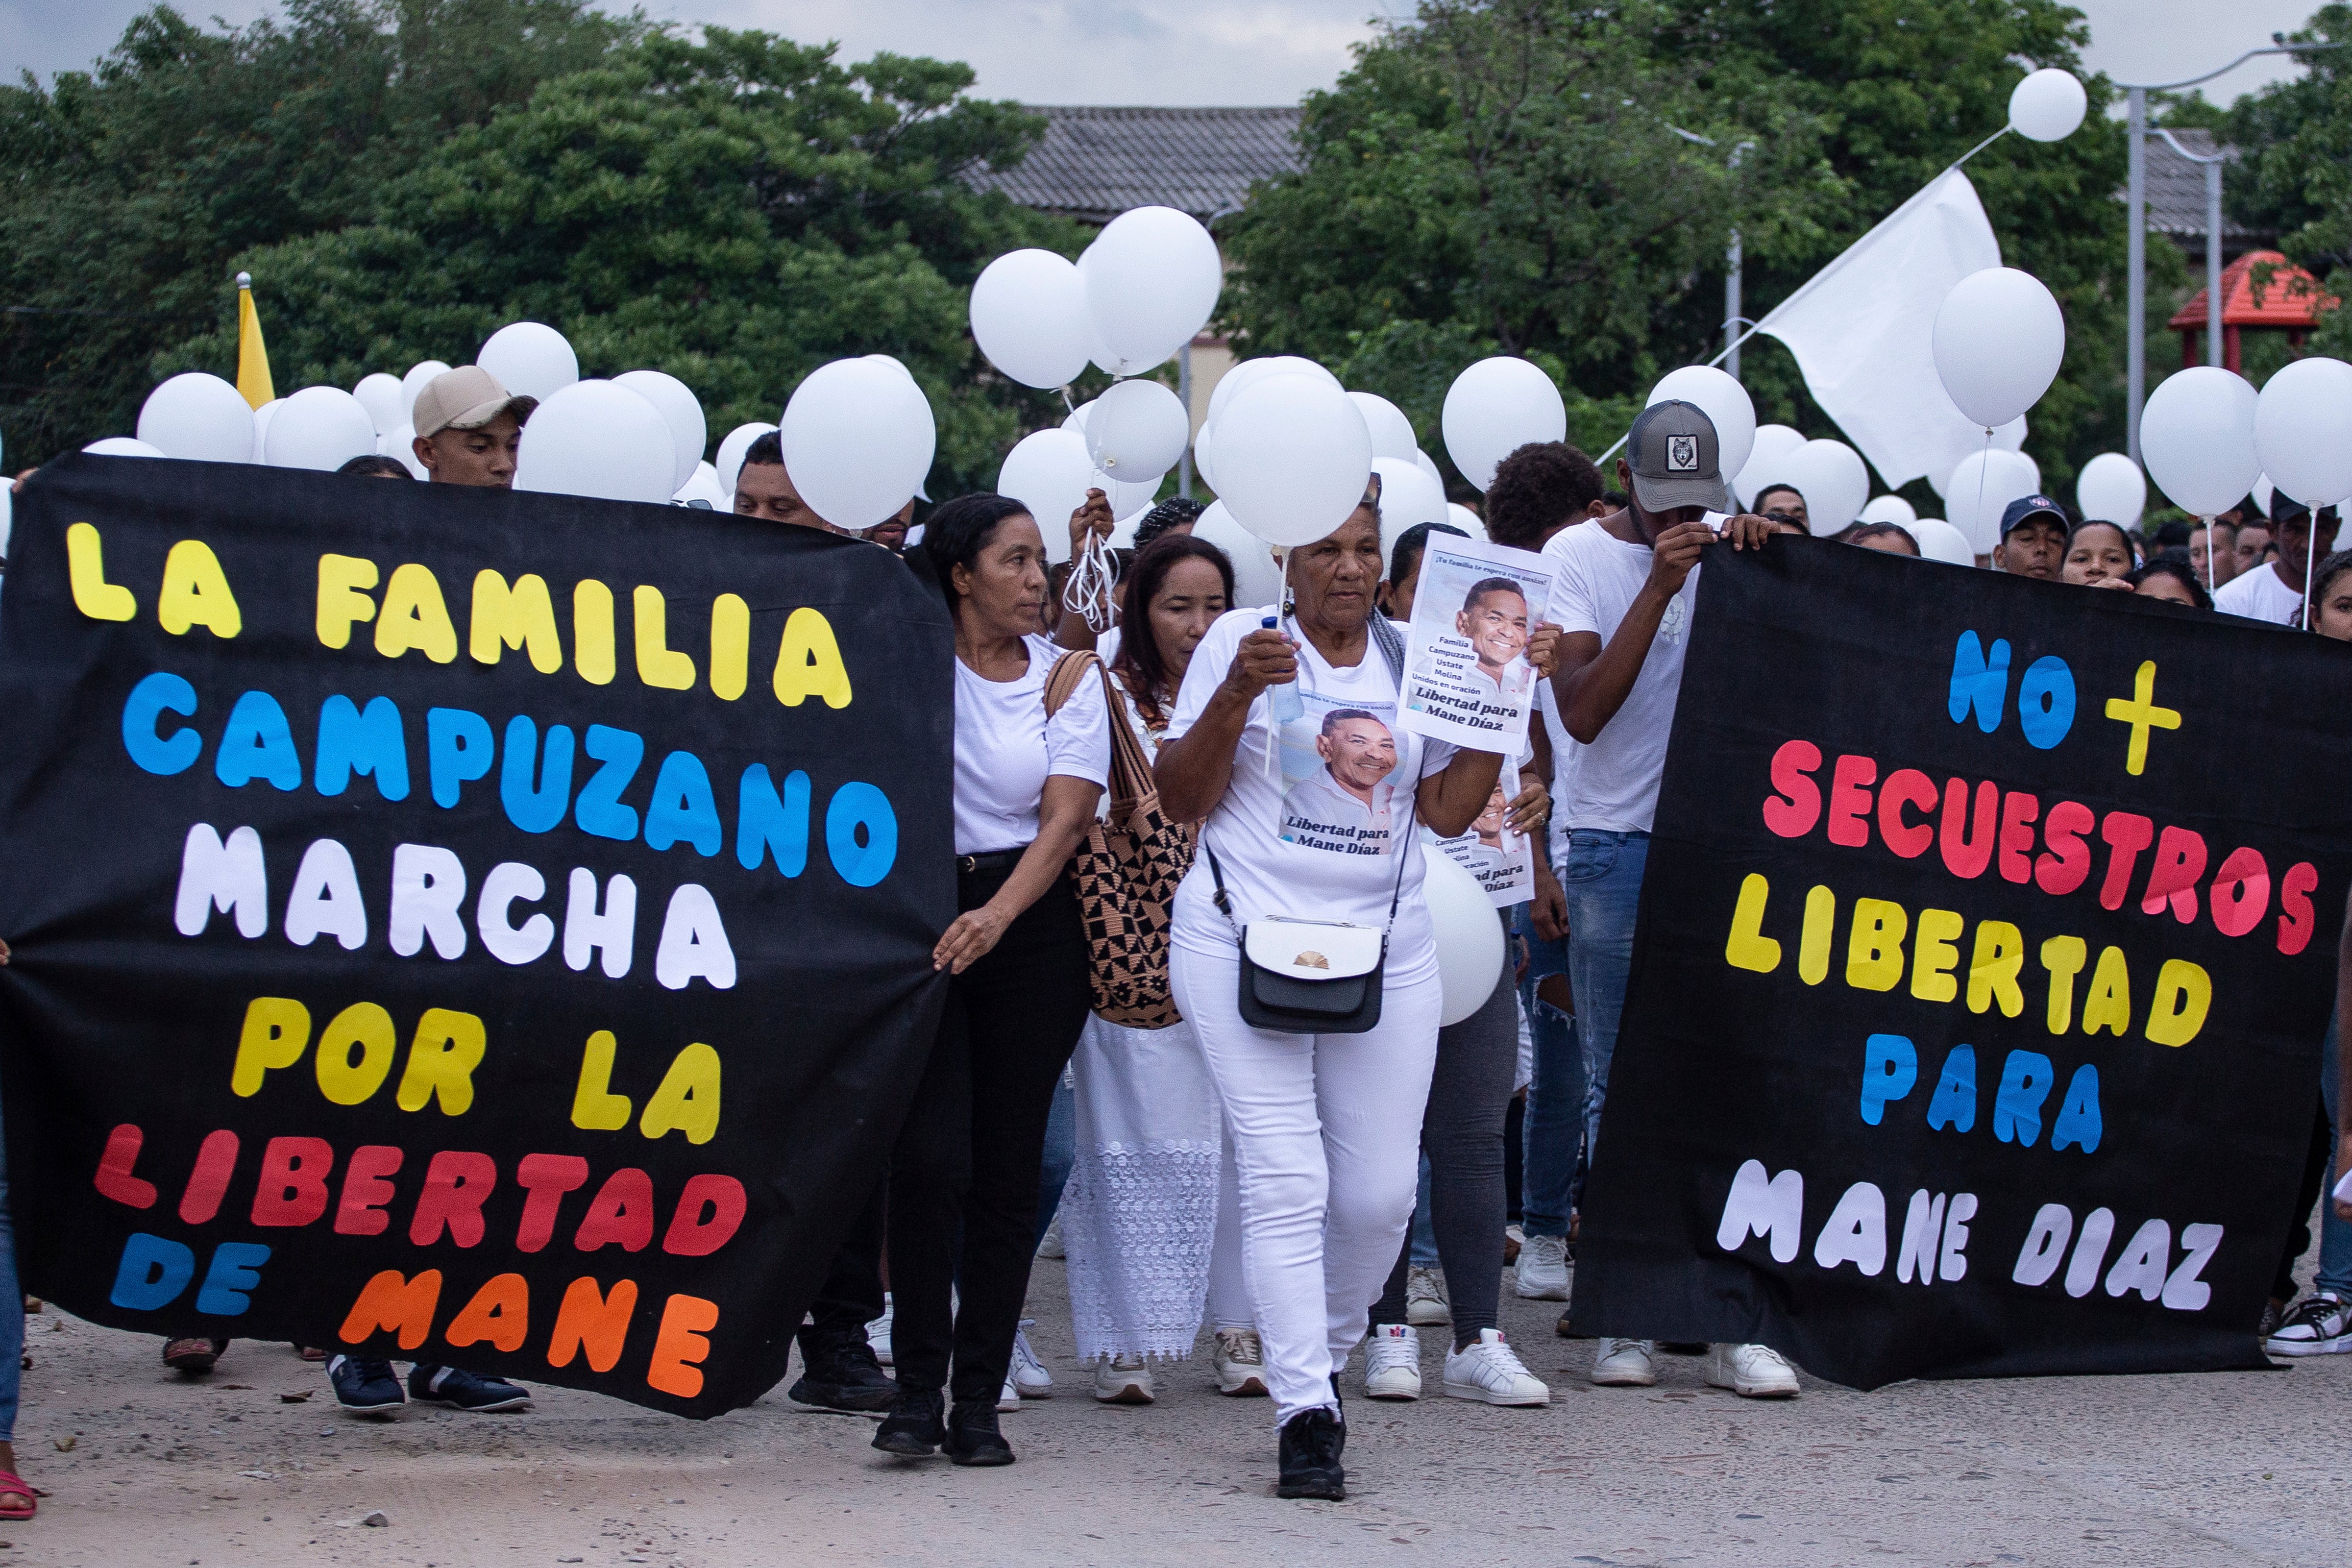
(1426, 1306)
(1239, 1361)
(1123, 1380)
(1491, 1371)
(1030, 1378)
(1542, 1272)
(1008, 1399)
(2320, 1324)
(1624, 1363)
(1514, 1238)
(1393, 1362)
(1751, 1372)
(1051, 1246)
(877, 1332)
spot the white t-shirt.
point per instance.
(1564, 748)
(1281, 852)
(1005, 748)
(2259, 595)
(1614, 784)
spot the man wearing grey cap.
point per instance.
(468, 428)
(1625, 587)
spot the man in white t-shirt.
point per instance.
(1622, 598)
(2273, 591)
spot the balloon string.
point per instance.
(1282, 618)
(2310, 555)
(2211, 582)
(1985, 464)
(1093, 577)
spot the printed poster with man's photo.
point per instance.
(1466, 675)
(1341, 788)
(1503, 861)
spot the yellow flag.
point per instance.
(252, 358)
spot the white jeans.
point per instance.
(1327, 1135)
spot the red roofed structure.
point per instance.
(2291, 301)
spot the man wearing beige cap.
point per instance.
(468, 427)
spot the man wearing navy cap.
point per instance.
(2033, 539)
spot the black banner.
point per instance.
(485, 928)
(1985, 948)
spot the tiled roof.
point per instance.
(2175, 189)
(2292, 298)
(1096, 164)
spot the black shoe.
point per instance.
(1566, 1330)
(842, 1374)
(1311, 1441)
(913, 1429)
(1684, 1347)
(973, 1437)
(451, 1385)
(366, 1385)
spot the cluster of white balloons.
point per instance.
(2210, 438)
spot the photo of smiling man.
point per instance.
(1477, 622)
(1344, 803)
(1494, 618)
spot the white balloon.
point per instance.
(1494, 408)
(857, 441)
(1151, 278)
(123, 446)
(681, 411)
(1295, 458)
(704, 486)
(1999, 338)
(1771, 447)
(1137, 431)
(1029, 317)
(1832, 478)
(380, 394)
(2303, 430)
(1939, 541)
(1201, 457)
(1428, 465)
(1888, 509)
(200, 417)
(1980, 489)
(729, 461)
(2010, 437)
(2111, 489)
(2197, 438)
(1719, 395)
(401, 443)
(1462, 518)
(2047, 106)
(1469, 935)
(1075, 420)
(892, 364)
(1048, 471)
(1407, 497)
(1250, 371)
(598, 438)
(261, 419)
(319, 427)
(531, 360)
(1392, 432)
(414, 383)
(1257, 581)
(2262, 492)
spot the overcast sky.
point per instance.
(1174, 51)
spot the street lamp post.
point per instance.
(2136, 222)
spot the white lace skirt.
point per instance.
(1140, 1215)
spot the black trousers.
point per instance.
(964, 1173)
(851, 1297)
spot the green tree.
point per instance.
(2295, 174)
(734, 212)
(125, 191)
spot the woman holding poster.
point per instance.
(1309, 809)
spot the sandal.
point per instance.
(12, 1487)
(310, 1352)
(193, 1356)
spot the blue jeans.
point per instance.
(2334, 1235)
(1553, 1130)
(12, 1312)
(1425, 1229)
(1603, 884)
(1061, 1152)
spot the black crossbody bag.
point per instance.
(1319, 977)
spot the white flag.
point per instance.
(1861, 329)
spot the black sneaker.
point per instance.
(454, 1386)
(2320, 1324)
(365, 1384)
(913, 1429)
(973, 1437)
(1311, 1441)
(842, 1374)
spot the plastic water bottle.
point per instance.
(1284, 702)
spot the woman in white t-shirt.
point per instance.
(1150, 1219)
(964, 1173)
(1310, 823)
